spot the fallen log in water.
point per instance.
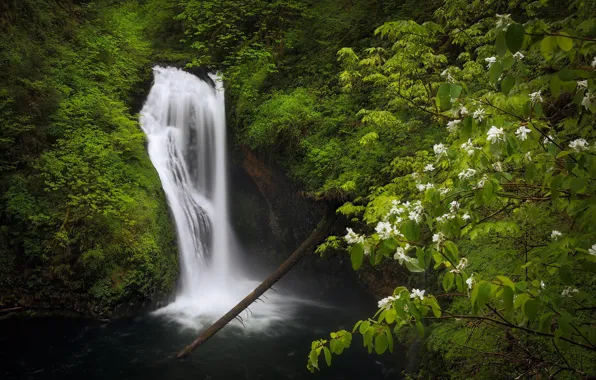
(307, 246)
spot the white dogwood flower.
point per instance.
(352, 237)
(429, 168)
(495, 134)
(522, 133)
(579, 145)
(439, 149)
(417, 293)
(555, 235)
(491, 61)
(479, 114)
(452, 125)
(536, 96)
(518, 55)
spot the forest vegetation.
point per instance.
(454, 138)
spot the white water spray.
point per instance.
(184, 120)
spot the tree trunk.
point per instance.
(306, 247)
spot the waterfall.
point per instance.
(184, 120)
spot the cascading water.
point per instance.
(184, 120)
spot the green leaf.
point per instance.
(451, 251)
(531, 308)
(565, 43)
(507, 84)
(444, 97)
(507, 297)
(327, 356)
(420, 329)
(411, 230)
(314, 358)
(567, 75)
(555, 85)
(515, 37)
(357, 255)
(508, 62)
(363, 327)
(566, 274)
(495, 72)
(577, 184)
(506, 281)
(484, 289)
(545, 322)
(455, 91)
(548, 46)
(367, 337)
(389, 338)
(500, 44)
(381, 343)
(448, 280)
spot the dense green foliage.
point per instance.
(457, 139)
(84, 221)
(502, 210)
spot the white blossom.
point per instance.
(415, 175)
(548, 140)
(468, 147)
(528, 156)
(463, 263)
(479, 114)
(386, 302)
(417, 293)
(498, 166)
(536, 96)
(466, 173)
(579, 145)
(384, 229)
(439, 239)
(352, 237)
(587, 100)
(452, 125)
(445, 72)
(466, 216)
(450, 79)
(415, 216)
(454, 206)
(594, 63)
(429, 168)
(495, 134)
(470, 281)
(582, 84)
(542, 285)
(444, 191)
(482, 181)
(555, 235)
(566, 292)
(463, 111)
(400, 255)
(503, 20)
(491, 61)
(592, 251)
(439, 149)
(522, 133)
(445, 217)
(518, 55)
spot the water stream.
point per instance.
(184, 119)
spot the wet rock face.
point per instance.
(268, 214)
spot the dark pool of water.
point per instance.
(143, 348)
